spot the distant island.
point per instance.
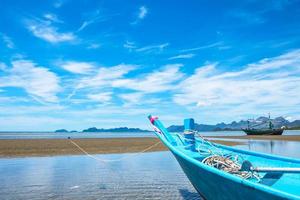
(94, 129)
(65, 131)
(237, 126)
(61, 131)
(121, 129)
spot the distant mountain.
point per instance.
(198, 127)
(295, 123)
(121, 129)
(260, 122)
(94, 129)
(65, 131)
(61, 131)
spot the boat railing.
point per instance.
(202, 145)
(213, 156)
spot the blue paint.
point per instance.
(189, 124)
(212, 183)
(189, 141)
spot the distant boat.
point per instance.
(220, 172)
(278, 131)
(250, 130)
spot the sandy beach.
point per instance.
(51, 147)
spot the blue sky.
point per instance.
(76, 64)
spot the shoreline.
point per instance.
(10, 148)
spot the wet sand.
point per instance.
(51, 147)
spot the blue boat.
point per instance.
(220, 172)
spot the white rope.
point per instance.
(113, 160)
(230, 165)
(204, 143)
(216, 158)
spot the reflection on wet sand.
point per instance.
(283, 148)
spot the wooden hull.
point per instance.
(263, 132)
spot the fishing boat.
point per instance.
(220, 172)
(251, 130)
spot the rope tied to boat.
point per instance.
(112, 160)
(214, 157)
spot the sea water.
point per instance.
(146, 176)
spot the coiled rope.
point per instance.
(229, 164)
(216, 158)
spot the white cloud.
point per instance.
(104, 76)
(94, 46)
(93, 17)
(113, 77)
(78, 67)
(152, 48)
(101, 97)
(258, 16)
(37, 81)
(139, 98)
(58, 3)
(7, 41)
(158, 81)
(84, 24)
(182, 56)
(44, 30)
(3, 67)
(52, 17)
(101, 78)
(208, 46)
(142, 12)
(271, 83)
(129, 45)
(132, 98)
(36, 123)
(289, 118)
(116, 111)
